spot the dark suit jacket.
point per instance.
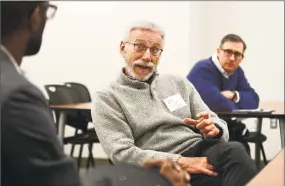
(31, 154)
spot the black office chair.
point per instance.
(83, 91)
(85, 96)
(60, 94)
(258, 138)
(254, 137)
(247, 137)
(82, 95)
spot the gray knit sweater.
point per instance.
(133, 123)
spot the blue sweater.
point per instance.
(209, 82)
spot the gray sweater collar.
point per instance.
(125, 80)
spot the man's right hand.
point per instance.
(197, 165)
(173, 172)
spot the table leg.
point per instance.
(257, 145)
(282, 131)
(61, 126)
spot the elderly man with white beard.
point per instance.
(146, 116)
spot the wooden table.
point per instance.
(62, 114)
(277, 105)
(76, 106)
(272, 174)
(278, 114)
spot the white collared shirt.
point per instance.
(223, 72)
(12, 59)
(219, 66)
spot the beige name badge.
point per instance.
(174, 102)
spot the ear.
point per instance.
(122, 48)
(35, 20)
(218, 50)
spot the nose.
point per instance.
(146, 55)
(232, 57)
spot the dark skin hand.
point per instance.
(176, 175)
(198, 165)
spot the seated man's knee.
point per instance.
(233, 146)
(236, 145)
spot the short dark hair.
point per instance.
(14, 14)
(233, 38)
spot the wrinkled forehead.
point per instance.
(148, 37)
(235, 46)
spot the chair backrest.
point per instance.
(83, 91)
(83, 96)
(59, 94)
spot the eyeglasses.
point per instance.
(230, 52)
(142, 48)
(51, 10)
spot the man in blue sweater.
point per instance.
(221, 81)
(222, 84)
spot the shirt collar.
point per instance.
(219, 66)
(130, 81)
(12, 59)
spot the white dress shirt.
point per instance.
(12, 59)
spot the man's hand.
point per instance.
(205, 124)
(172, 171)
(197, 165)
(228, 94)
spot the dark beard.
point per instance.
(33, 46)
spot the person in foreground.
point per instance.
(151, 173)
(223, 86)
(146, 116)
(31, 153)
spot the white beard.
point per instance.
(130, 70)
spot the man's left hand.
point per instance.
(228, 94)
(205, 124)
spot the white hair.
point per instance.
(145, 25)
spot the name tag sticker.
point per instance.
(174, 102)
